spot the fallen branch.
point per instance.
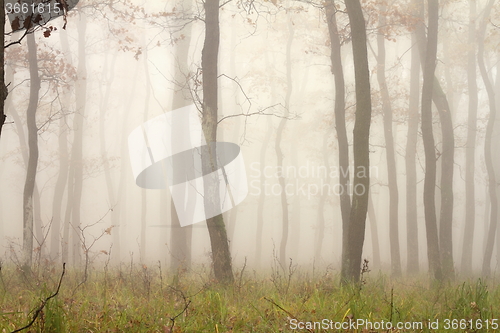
(44, 302)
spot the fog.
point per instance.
(116, 66)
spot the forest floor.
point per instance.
(139, 298)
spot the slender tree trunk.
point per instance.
(221, 257)
(121, 197)
(351, 263)
(390, 153)
(492, 183)
(233, 213)
(374, 232)
(428, 138)
(180, 237)
(320, 219)
(295, 210)
(29, 184)
(62, 176)
(447, 166)
(445, 239)
(279, 153)
(18, 123)
(262, 194)
(411, 165)
(340, 126)
(3, 88)
(77, 149)
(109, 79)
(144, 192)
(496, 134)
(470, 150)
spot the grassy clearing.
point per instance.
(137, 298)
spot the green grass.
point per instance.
(143, 299)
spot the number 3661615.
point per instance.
(29, 9)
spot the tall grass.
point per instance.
(139, 298)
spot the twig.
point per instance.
(180, 313)
(285, 311)
(44, 302)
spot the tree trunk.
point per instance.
(262, 194)
(351, 263)
(221, 257)
(492, 184)
(411, 165)
(340, 126)
(29, 184)
(428, 138)
(445, 239)
(62, 176)
(180, 237)
(470, 149)
(496, 133)
(279, 153)
(77, 149)
(144, 192)
(320, 219)
(109, 77)
(3, 88)
(390, 153)
(372, 217)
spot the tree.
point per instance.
(279, 153)
(390, 152)
(470, 149)
(3, 88)
(351, 261)
(492, 183)
(340, 126)
(221, 257)
(180, 237)
(411, 151)
(428, 138)
(29, 184)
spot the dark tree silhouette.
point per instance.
(351, 261)
(428, 138)
(221, 257)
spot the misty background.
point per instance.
(117, 65)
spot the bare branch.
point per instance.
(44, 302)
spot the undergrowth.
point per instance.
(140, 298)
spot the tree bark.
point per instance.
(320, 219)
(62, 176)
(279, 152)
(351, 263)
(470, 149)
(340, 126)
(29, 184)
(3, 88)
(389, 147)
(180, 237)
(492, 183)
(411, 166)
(262, 194)
(372, 217)
(433, 252)
(221, 257)
(77, 149)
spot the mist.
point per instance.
(114, 67)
